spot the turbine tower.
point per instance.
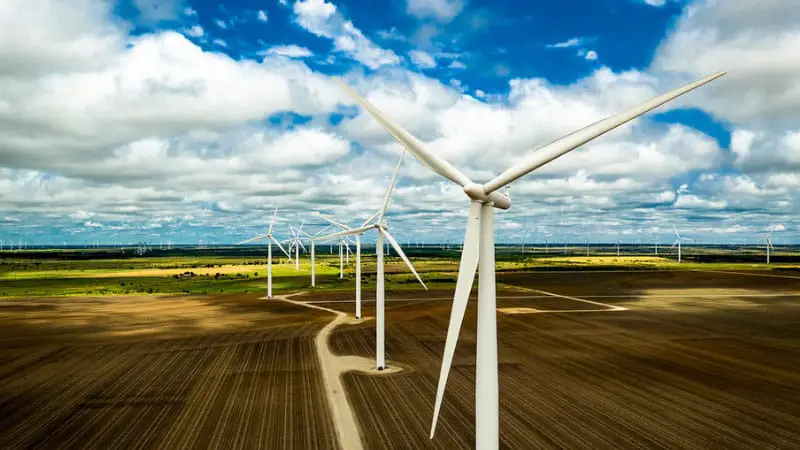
(655, 242)
(270, 239)
(479, 248)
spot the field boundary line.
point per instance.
(577, 299)
(545, 294)
(769, 275)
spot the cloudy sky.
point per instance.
(183, 120)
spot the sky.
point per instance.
(187, 120)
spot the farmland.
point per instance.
(600, 352)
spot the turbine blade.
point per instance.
(282, 249)
(348, 232)
(338, 224)
(408, 141)
(324, 230)
(299, 242)
(466, 276)
(388, 195)
(272, 221)
(261, 236)
(402, 254)
(561, 146)
(370, 218)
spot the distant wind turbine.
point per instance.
(312, 239)
(296, 243)
(270, 239)
(768, 244)
(678, 241)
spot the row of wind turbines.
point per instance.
(478, 251)
(376, 222)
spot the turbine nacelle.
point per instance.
(476, 192)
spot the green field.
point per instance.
(65, 273)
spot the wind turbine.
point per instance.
(296, 243)
(479, 248)
(768, 244)
(678, 241)
(312, 239)
(377, 223)
(270, 239)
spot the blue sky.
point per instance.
(178, 120)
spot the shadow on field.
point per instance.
(70, 320)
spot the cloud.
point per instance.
(195, 31)
(322, 19)
(441, 10)
(149, 132)
(64, 38)
(82, 215)
(656, 3)
(261, 16)
(289, 51)
(587, 54)
(762, 151)
(753, 45)
(572, 42)
(422, 59)
(162, 85)
(691, 201)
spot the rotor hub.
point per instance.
(477, 193)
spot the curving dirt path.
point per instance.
(333, 367)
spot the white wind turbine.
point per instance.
(270, 239)
(377, 223)
(312, 239)
(344, 252)
(296, 243)
(479, 248)
(768, 244)
(678, 240)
